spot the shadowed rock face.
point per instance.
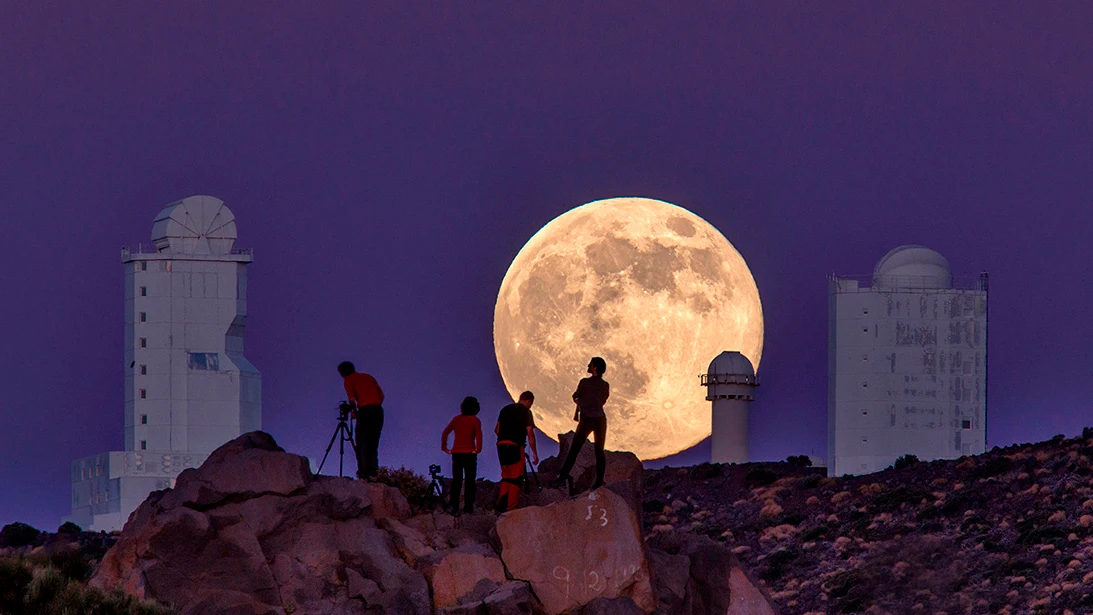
(253, 532)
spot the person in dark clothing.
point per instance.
(366, 397)
(464, 451)
(590, 396)
(515, 428)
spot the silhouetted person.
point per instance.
(465, 449)
(364, 393)
(515, 428)
(590, 396)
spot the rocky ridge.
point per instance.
(1004, 533)
(253, 532)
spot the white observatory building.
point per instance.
(907, 364)
(730, 384)
(188, 386)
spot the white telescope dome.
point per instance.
(731, 362)
(913, 266)
(195, 225)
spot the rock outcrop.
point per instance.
(252, 532)
(578, 550)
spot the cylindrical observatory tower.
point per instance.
(730, 383)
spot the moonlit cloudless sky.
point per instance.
(386, 162)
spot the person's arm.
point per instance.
(497, 429)
(477, 437)
(349, 395)
(531, 443)
(606, 392)
(444, 436)
(577, 401)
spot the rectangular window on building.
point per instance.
(144, 419)
(865, 413)
(143, 291)
(143, 445)
(865, 357)
(144, 316)
(966, 424)
(864, 440)
(206, 361)
(143, 370)
(143, 342)
(143, 394)
(144, 265)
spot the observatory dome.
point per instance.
(195, 225)
(913, 266)
(731, 362)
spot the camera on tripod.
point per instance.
(434, 470)
(345, 409)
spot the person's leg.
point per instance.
(458, 462)
(583, 429)
(470, 467)
(358, 447)
(600, 432)
(374, 421)
(511, 459)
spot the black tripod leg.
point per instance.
(327, 453)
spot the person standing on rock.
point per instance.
(590, 396)
(364, 393)
(515, 428)
(464, 452)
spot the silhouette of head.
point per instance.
(598, 364)
(470, 406)
(527, 398)
(345, 368)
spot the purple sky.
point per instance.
(387, 164)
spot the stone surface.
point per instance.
(249, 532)
(745, 597)
(611, 606)
(708, 576)
(575, 551)
(462, 575)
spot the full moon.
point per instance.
(652, 288)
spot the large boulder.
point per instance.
(578, 550)
(463, 575)
(694, 575)
(252, 532)
(623, 470)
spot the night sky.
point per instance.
(387, 162)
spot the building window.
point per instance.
(143, 370)
(864, 440)
(144, 265)
(865, 385)
(965, 424)
(143, 445)
(865, 357)
(205, 361)
(144, 419)
(143, 393)
(865, 413)
(865, 311)
(143, 342)
(144, 316)
(865, 329)
(143, 291)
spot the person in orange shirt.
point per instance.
(364, 393)
(464, 451)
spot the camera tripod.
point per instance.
(342, 433)
(533, 474)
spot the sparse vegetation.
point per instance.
(1008, 532)
(414, 486)
(35, 586)
(905, 461)
(799, 461)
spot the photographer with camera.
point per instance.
(515, 427)
(464, 452)
(364, 394)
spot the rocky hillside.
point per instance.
(1006, 532)
(253, 532)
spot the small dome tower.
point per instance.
(730, 384)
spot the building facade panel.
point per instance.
(907, 367)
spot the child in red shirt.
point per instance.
(468, 443)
